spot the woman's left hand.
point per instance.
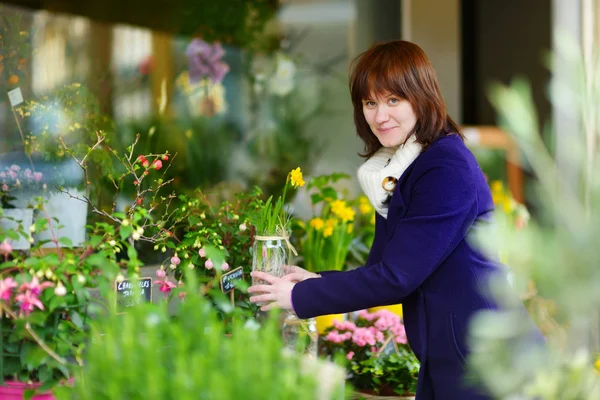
(278, 293)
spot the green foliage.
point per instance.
(211, 232)
(557, 252)
(147, 354)
(42, 342)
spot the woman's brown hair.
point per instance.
(403, 69)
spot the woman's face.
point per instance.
(391, 118)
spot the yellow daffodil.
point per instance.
(597, 364)
(342, 211)
(317, 223)
(328, 231)
(364, 205)
(350, 228)
(296, 178)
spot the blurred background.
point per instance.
(284, 100)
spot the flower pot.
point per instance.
(370, 396)
(71, 214)
(325, 321)
(396, 309)
(13, 390)
(14, 217)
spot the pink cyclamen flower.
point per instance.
(350, 355)
(175, 260)
(27, 302)
(34, 286)
(165, 285)
(204, 60)
(6, 248)
(202, 252)
(225, 266)
(6, 287)
(209, 264)
(160, 273)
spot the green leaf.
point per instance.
(330, 192)
(132, 253)
(65, 241)
(125, 231)
(33, 356)
(76, 319)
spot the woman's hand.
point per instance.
(296, 274)
(278, 293)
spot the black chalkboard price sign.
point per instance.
(228, 281)
(129, 293)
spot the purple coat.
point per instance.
(421, 258)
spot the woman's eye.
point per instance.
(370, 103)
(393, 100)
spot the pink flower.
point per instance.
(225, 266)
(165, 285)
(6, 287)
(202, 252)
(5, 248)
(350, 355)
(5, 187)
(28, 301)
(34, 286)
(208, 264)
(160, 273)
(37, 176)
(175, 260)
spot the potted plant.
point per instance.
(379, 361)
(46, 301)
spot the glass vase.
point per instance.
(269, 254)
(300, 334)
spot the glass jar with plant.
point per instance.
(270, 251)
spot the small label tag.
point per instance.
(15, 96)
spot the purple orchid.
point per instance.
(204, 60)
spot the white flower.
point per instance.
(172, 266)
(140, 230)
(125, 222)
(243, 227)
(112, 243)
(60, 290)
(135, 235)
(32, 228)
(81, 279)
(120, 278)
(282, 83)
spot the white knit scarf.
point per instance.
(379, 174)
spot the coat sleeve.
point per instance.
(442, 208)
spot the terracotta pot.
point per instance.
(13, 390)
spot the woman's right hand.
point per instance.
(296, 274)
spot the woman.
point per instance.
(429, 193)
